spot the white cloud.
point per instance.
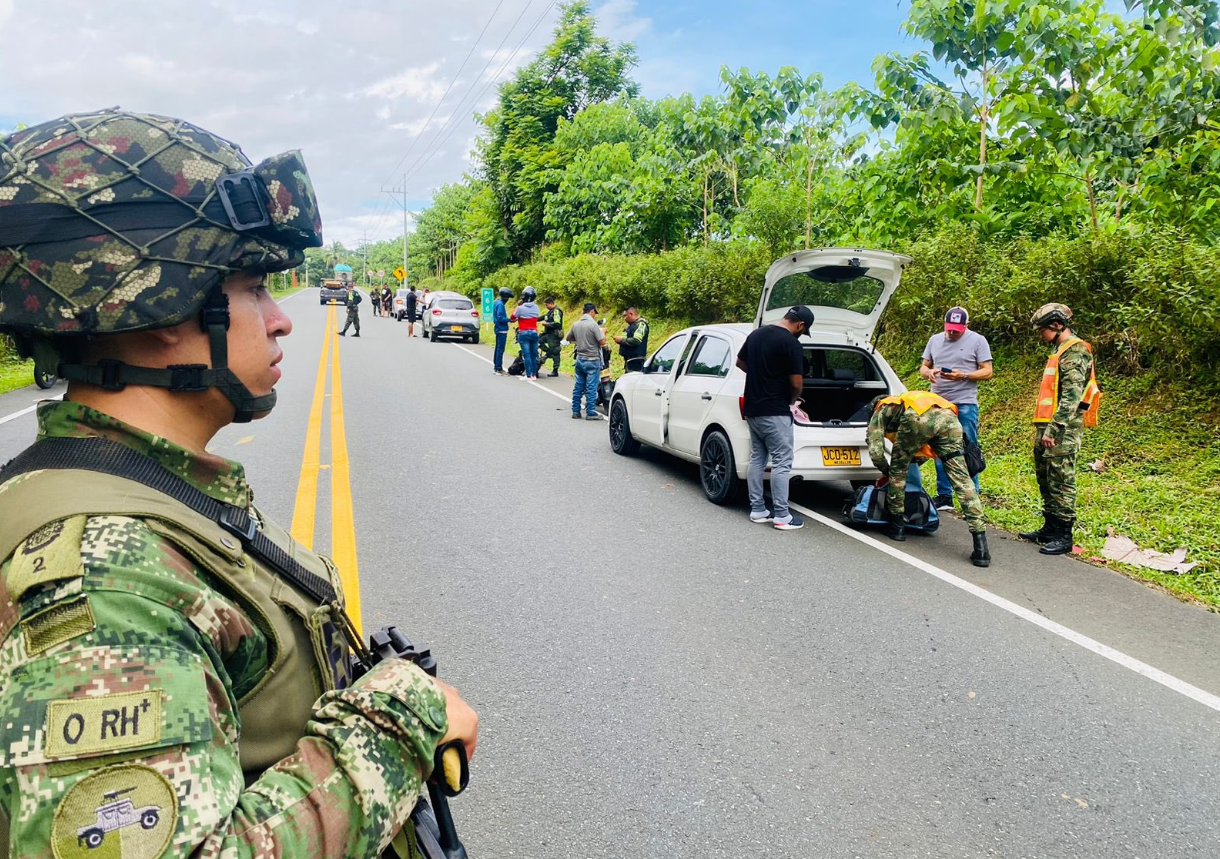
(419, 83)
(351, 85)
(616, 20)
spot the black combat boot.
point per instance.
(1060, 543)
(896, 528)
(980, 557)
(1042, 534)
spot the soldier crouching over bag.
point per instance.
(175, 673)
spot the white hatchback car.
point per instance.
(688, 398)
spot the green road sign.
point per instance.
(488, 297)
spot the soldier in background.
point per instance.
(353, 310)
(921, 424)
(633, 343)
(552, 335)
(1067, 402)
(173, 687)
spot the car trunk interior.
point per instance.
(839, 383)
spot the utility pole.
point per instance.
(365, 245)
(402, 190)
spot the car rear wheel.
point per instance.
(474, 339)
(717, 471)
(432, 335)
(621, 441)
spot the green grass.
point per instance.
(1160, 486)
(15, 374)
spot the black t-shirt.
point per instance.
(772, 355)
(412, 298)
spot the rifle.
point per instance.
(435, 835)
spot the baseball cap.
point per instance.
(957, 319)
(590, 307)
(800, 313)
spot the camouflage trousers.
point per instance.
(940, 430)
(353, 318)
(551, 350)
(1056, 471)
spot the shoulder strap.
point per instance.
(117, 460)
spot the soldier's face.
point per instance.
(256, 322)
(1048, 335)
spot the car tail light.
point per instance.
(475, 314)
(741, 407)
(436, 312)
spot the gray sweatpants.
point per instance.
(770, 436)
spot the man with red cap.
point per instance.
(955, 362)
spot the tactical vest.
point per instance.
(918, 402)
(639, 351)
(1048, 393)
(308, 647)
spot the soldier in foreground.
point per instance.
(1067, 402)
(922, 424)
(175, 676)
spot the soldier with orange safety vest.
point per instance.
(1068, 400)
(921, 426)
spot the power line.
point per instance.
(426, 156)
(457, 74)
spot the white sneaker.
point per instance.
(762, 517)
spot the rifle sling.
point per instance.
(117, 460)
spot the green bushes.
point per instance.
(712, 284)
(1146, 299)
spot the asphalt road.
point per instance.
(658, 677)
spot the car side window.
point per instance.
(711, 358)
(663, 359)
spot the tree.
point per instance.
(576, 70)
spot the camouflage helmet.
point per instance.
(1051, 314)
(114, 221)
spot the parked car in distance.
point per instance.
(450, 314)
(688, 399)
(333, 292)
(400, 304)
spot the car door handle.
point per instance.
(706, 396)
(658, 392)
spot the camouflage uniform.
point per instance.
(940, 430)
(122, 671)
(1056, 466)
(552, 337)
(353, 311)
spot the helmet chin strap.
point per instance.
(112, 375)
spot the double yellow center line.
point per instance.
(304, 513)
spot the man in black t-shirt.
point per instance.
(412, 301)
(774, 364)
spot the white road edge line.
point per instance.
(535, 384)
(29, 409)
(1205, 698)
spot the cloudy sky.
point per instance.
(373, 89)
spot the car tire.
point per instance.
(432, 336)
(717, 470)
(474, 338)
(45, 380)
(621, 441)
